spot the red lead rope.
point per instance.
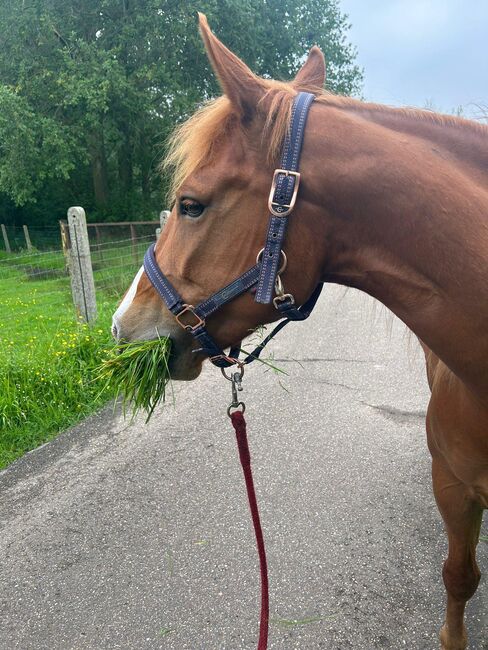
(239, 424)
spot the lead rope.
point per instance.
(239, 424)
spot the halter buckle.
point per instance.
(285, 297)
(189, 309)
(224, 357)
(283, 210)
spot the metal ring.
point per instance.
(236, 407)
(285, 259)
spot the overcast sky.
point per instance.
(422, 52)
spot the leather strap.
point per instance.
(291, 314)
(282, 197)
(160, 282)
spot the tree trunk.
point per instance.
(145, 163)
(145, 182)
(125, 164)
(99, 169)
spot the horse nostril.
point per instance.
(115, 331)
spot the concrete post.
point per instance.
(5, 239)
(81, 272)
(27, 238)
(163, 217)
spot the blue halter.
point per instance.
(266, 272)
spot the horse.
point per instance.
(392, 201)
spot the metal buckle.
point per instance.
(284, 209)
(225, 357)
(282, 298)
(189, 309)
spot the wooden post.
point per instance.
(27, 238)
(99, 242)
(81, 272)
(66, 243)
(134, 241)
(5, 239)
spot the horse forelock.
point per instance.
(193, 143)
(196, 142)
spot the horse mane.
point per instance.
(196, 141)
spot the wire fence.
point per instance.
(36, 285)
(114, 264)
(16, 239)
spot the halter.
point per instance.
(270, 262)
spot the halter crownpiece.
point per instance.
(266, 272)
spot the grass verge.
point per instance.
(48, 360)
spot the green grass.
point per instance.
(139, 372)
(48, 360)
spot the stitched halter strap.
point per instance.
(284, 190)
(265, 274)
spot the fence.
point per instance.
(92, 268)
(17, 239)
(27, 238)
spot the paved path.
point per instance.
(120, 535)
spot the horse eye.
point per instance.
(191, 208)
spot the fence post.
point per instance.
(66, 244)
(99, 243)
(133, 242)
(5, 239)
(163, 218)
(27, 238)
(81, 272)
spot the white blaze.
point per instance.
(128, 298)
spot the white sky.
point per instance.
(422, 52)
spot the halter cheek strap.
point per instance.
(282, 197)
(265, 274)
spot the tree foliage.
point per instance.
(89, 89)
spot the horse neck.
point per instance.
(403, 200)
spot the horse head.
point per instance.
(222, 161)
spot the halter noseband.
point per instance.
(266, 272)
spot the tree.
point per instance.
(91, 88)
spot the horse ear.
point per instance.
(312, 73)
(240, 85)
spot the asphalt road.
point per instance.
(122, 535)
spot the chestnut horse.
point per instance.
(393, 202)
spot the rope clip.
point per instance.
(236, 386)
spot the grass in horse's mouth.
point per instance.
(139, 372)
